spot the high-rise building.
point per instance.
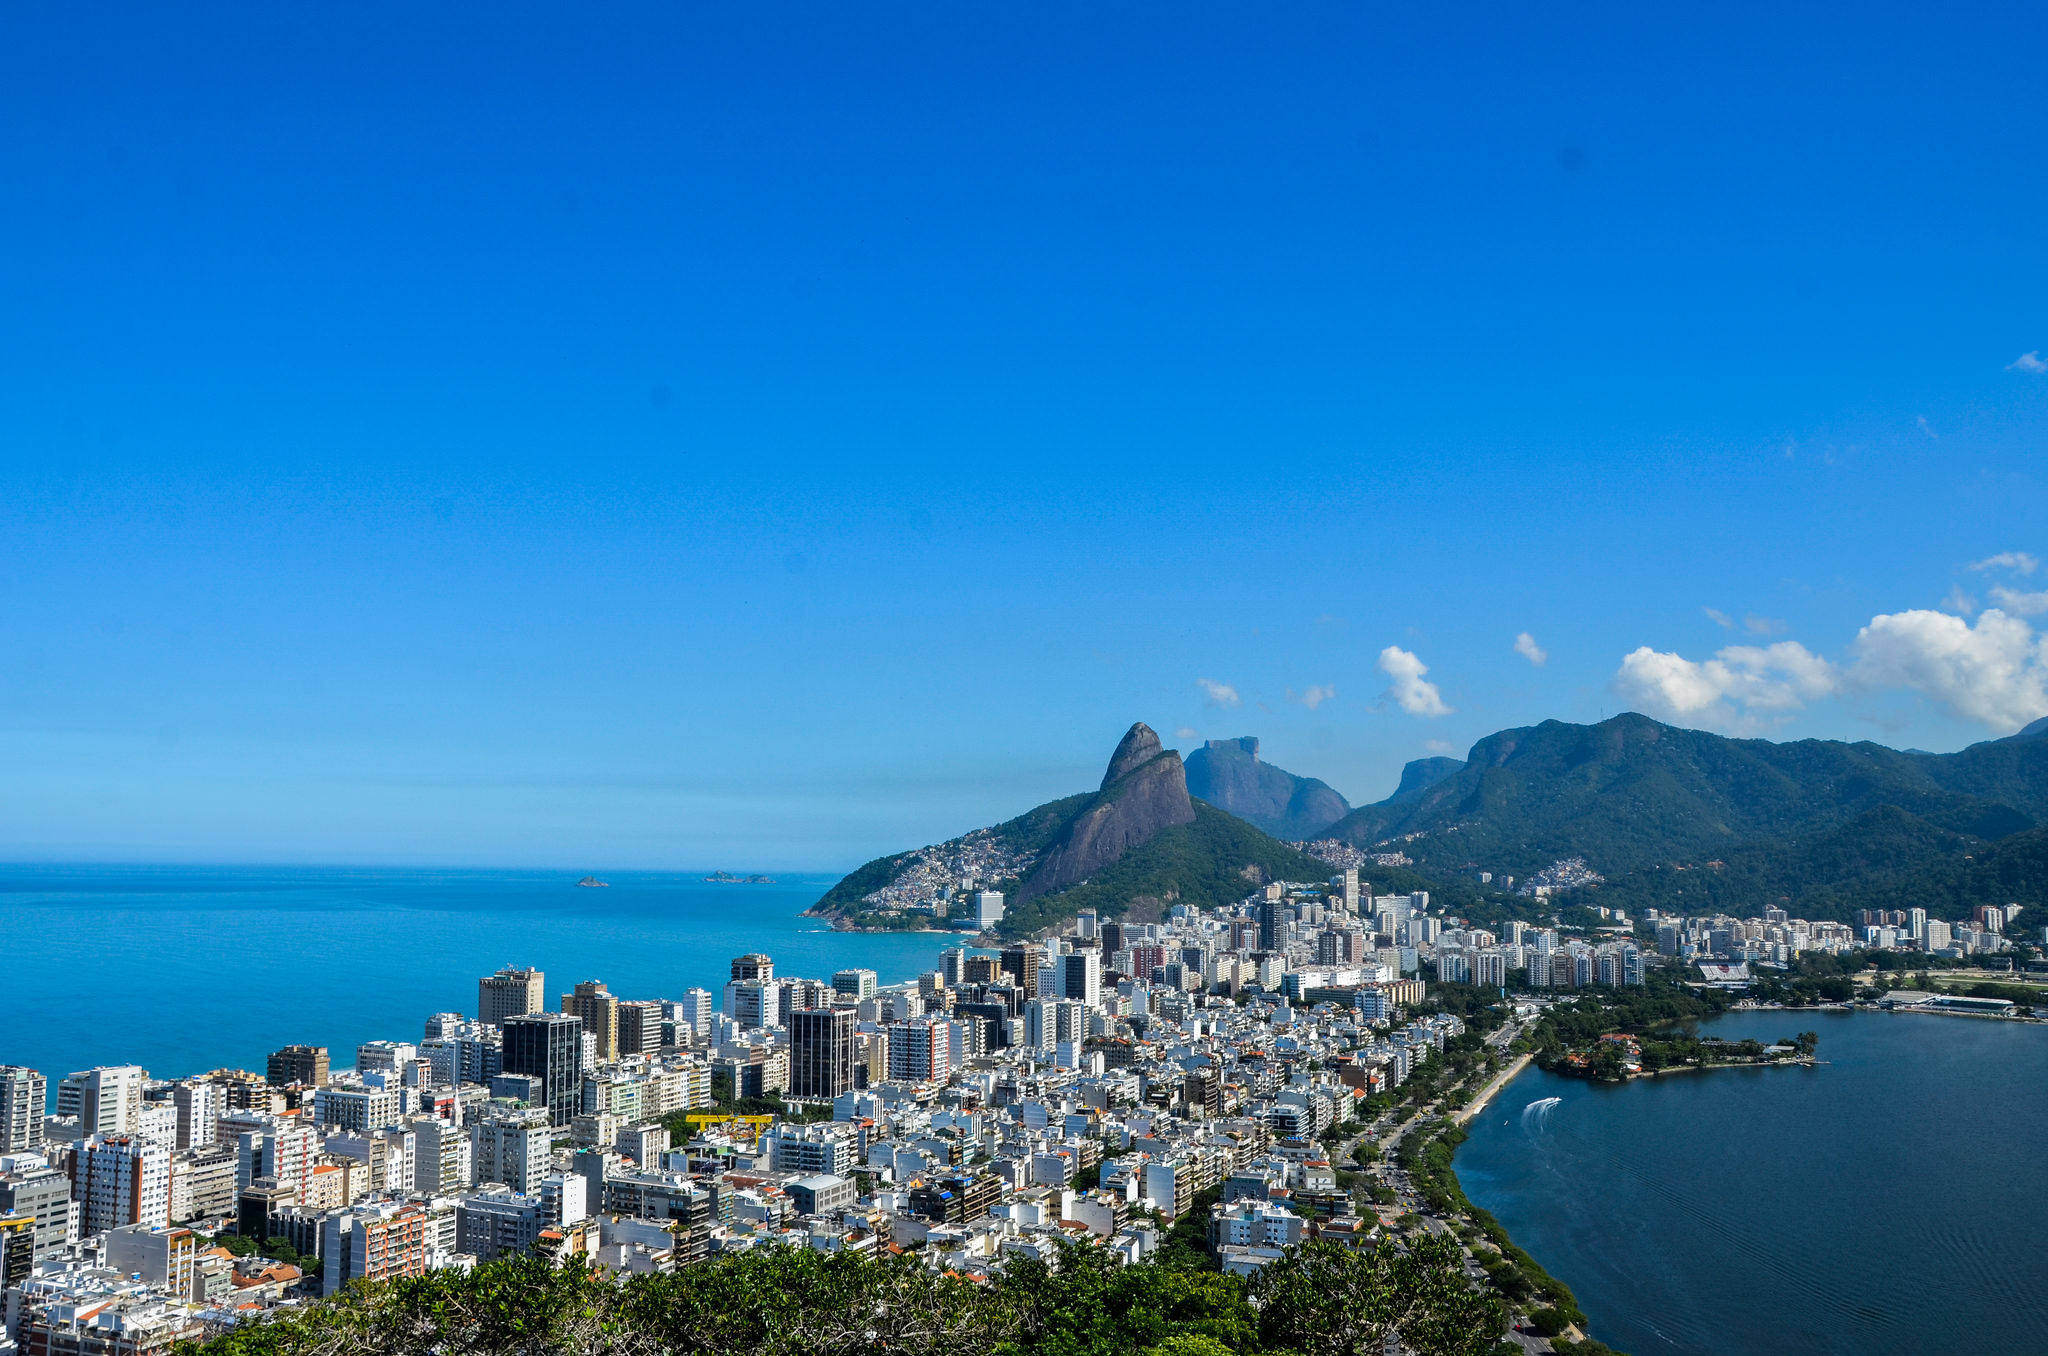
(1916, 924)
(33, 1189)
(640, 1026)
(953, 966)
(1050, 1021)
(855, 984)
(304, 1064)
(1021, 964)
(1081, 977)
(121, 1179)
(549, 1046)
(517, 1150)
(285, 1154)
(921, 1051)
(1345, 888)
(1273, 919)
(198, 1106)
(24, 1101)
(754, 1003)
(599, 1010)
(821, 1055)
(106, 1100)
(988, 909)
(1114, 938)
(372, 1242)
(694, 1010)
(443, 1157)
(753, 966)
(510, 993)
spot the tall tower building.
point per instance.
(599, 1010)
(510, 993)
(106, 1100)
(1081, 977)
(24, 1101)
(1021, 964)
(305, 1064)
(921, 1050)
(640, 1026)
(821, 1052)
(549, 1046)
(752, 966)
(121, 1179)
(1274, 917)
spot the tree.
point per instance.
(1325, 1300)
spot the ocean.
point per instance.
(1887, 1202)
(186, 969)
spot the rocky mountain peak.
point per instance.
(1140, 745)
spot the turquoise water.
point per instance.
(184, 969)
(1887, 1202)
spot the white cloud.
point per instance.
(1312, 697)
(2025, 604)
(1526, 646)
(1187, 732)
(2008, 560)
(1409, 691)
(1727, 691)
(1761, 626)
(1223, 694)
(1719, 618)
(1995, 671)
(1959, 601)
(1439, 746)
(2028, 362)
(1927, 428)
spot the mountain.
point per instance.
(1419, 775)
(1695, 821)
(1129, 849)
(1144, 790)
(1228, 774)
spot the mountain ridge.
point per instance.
(1808, 821)
(1132, 848)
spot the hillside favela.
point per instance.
(1023, 680)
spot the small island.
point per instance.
(727, 878)
(593, 883)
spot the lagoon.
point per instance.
(1886, 1202)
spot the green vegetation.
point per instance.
(1696, 823)
(1321, 1300)
(1200, 863)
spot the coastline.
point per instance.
(1486, 1094)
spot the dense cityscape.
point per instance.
(1092, 1085)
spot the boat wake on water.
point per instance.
(1536, 1115)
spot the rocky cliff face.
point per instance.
(1144, 790)
(1421, 774)
(1228, 774)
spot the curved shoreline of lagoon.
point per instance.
(1873, 1204)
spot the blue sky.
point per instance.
(774, 435)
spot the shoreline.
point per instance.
(1506, 1076)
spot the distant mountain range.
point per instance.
(1688, 820)
(1670, 818)
(1132, 848)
